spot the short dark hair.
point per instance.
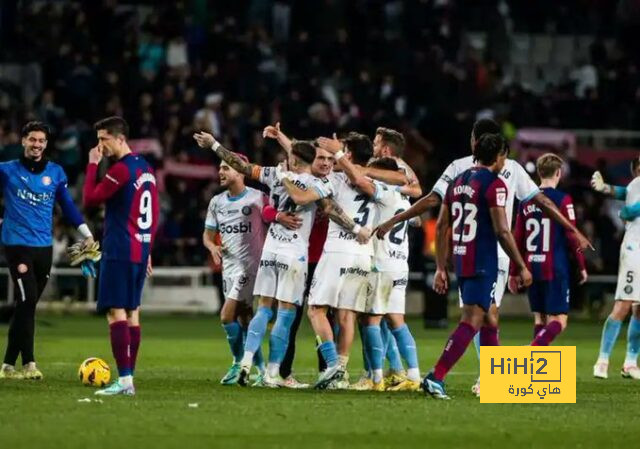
(113, 125)
(634, 164)
(360, 147)
(485, 126)
(36, 126)
(304, 150)
(548, 164)
(385, 163)
(392, 138)
(489, 147)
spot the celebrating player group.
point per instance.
(331, 233)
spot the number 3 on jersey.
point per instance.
(145, 220)
(464, 215)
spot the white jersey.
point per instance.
(242, 231)
(281, 240)
(356, 205)
(392, 252)
(519, 184)
(632, 228)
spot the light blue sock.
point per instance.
(257, 329)
(374, 347)
(633, 342)
(391, 348)
(365, 356)
(406, 345)
(610, 333)
(476, 343)
(329, 352)
(279, 339)
(234, 337)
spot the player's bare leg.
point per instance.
(119, 320)
(255, 334)
(347, 325)
(610, 331)
(408, 351)
(326, 345)
(630, 368)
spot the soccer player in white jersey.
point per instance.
(283, 264)
(388, 279)
(341, 278)
(390, 143)
(236, 214)
(628, 288)
(519, 185)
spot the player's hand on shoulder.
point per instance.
(204, 139)
(441, 282)
(363, 235)
(95, 155)
(583, 277)
(289, 220)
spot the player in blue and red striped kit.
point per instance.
(548, 248)
(131, 218)
(475, 201)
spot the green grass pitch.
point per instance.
(183, 357)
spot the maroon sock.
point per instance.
(536, 330)
(489, 336)
(546, 335)
(120, 345)
(134, 334)
(455, 347)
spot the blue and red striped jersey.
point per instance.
(544, 244)
(469, 198)
(132, 207)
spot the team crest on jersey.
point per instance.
(246, 210)
(501, 196)
(46, 180)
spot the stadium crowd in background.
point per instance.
(230, 69)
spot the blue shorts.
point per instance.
(120, 284)
(550, 297)
(478, 290)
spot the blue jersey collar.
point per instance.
(238, 196)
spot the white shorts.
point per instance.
(388, 292)
(501, 281)
(629, 272)
(341, 281)
(281, 277)
(239, 287)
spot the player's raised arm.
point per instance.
(443, 226)
(550, 209)
(420, 207)
(598, 184)
(206, 140)
(274, 132)
(95, 193)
